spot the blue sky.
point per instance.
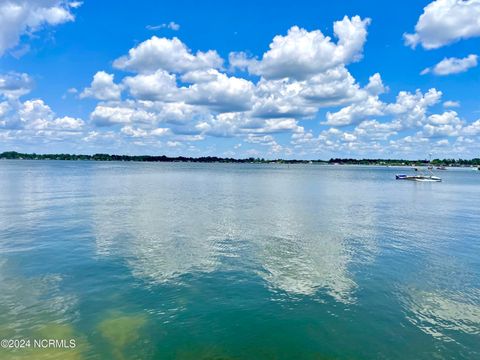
(276, 80)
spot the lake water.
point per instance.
(229, 261)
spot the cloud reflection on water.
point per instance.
(167, 225)
(438, 313)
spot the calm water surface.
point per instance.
(200, 261)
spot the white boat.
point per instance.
(431, 178)
(422, 176)
(419, 178)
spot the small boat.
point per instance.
(441, 168)
(419, 178)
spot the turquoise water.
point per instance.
(228, 261)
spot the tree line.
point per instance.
(214, 159)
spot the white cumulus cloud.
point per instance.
(159, 85)
(444, 22)
(20, 17)
(302, 53)
(446, 124)
(453, 65)
(14, 85)
(102, 88)
(171, 55)
(451, 104)
(409, 109)
(35, 115)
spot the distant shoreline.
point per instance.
(13, 155)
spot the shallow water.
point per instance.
(229, 261)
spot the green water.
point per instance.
(225, 261)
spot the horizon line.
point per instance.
(13, 155)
